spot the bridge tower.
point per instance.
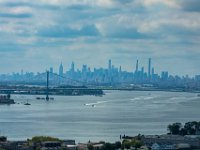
(47, 90)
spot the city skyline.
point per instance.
(148, 68)
(61, 68)
(38, 34)
(111, 75)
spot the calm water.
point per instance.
(93, 118)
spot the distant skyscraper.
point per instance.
(84, 68)
(51, 70)
(142, 70)
(164, 75)
(22, 72)
(149, 68)
(61, 69)
(72, 67)
(136, 70)
(152, 71)
(109, 65)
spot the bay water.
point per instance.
(94, 118)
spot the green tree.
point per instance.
(136, 143)
(126, 144)
(175, 128)
(90, 147)
(108, 146)
(38, 139)
(118, 145)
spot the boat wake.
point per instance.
(94, 104)
(142, 98)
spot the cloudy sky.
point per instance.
(38, 34)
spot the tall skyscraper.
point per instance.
(136, 70)
(152, 71)
(109, 65)
(72, 67)
(149, 68)
(120, 69)
(61, 69)
(142, 70)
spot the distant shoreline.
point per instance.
(83, 91)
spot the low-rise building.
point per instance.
(149, 140)
(51, 145)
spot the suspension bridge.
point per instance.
(60, 85)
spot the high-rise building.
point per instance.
(22, 72)
(72, 67)
(120, 69)
(61, 69)
(149, 68)
(84, 68)
(164, 75)
(109, 64)
(152, 71)
(51, 70)
(136, 70)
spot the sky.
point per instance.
(38, 34)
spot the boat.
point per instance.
(40, 98)
(5, 99)
(27, 103)
(51, 98)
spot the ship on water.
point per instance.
(5, 99)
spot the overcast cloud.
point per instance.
(36, 35)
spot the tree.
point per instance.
(126, 144)
(90, 147)
(118, 145)
(136, 143)
(175, 128)
(108, 146)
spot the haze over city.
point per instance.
(36, 35)
(99, 74)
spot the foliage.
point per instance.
(118, 145)
(90, 147)
(134, 143)
(190, 128)
(126, 144)
(38, 139)
(175, 128)
(108, 146)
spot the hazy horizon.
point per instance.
(36, 35)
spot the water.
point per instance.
(93, 118)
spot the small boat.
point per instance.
(40, 98)
(27, 103)
(51, 98)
